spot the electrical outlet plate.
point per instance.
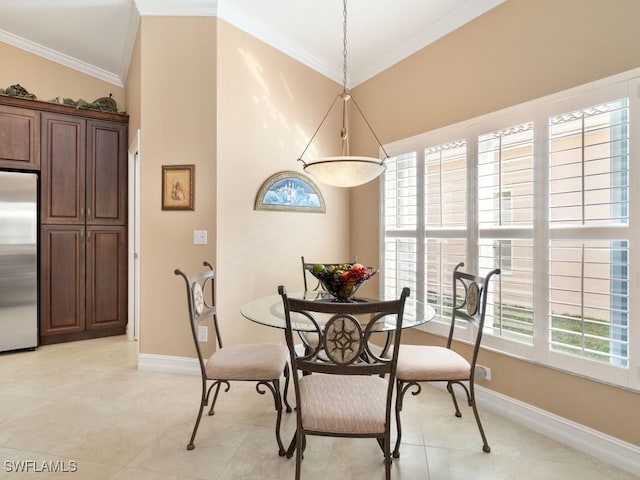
(199, 237)
(483, 373)
(203, 333)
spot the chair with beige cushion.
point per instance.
(346, 396)
(423, 363)
(262, 363)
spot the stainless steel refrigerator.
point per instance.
(18, 260)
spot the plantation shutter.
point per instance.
(400, 227)
(445, 220)
(589, 247)
(505, 222)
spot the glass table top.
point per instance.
(269, 311)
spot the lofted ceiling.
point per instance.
(97, 36)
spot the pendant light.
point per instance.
(345, 170)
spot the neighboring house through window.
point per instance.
(542, 191)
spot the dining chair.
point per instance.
(263, 363)
(426, 363)
(346, 396)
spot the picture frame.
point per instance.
(290, 192)
(178, 187)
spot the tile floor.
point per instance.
(84, 406)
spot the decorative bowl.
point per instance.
(342, 280)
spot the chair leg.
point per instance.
(278, 402)
(203, 402)
(453, 397)
(217, 384)
(274, 386)
(401, 389)
(300, 442)
(287, 376)
(387, 456)
(399, 397)
(191, 445)
(472, 403)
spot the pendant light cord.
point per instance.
(344, 48)
(343, 96)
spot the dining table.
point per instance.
(269, 311)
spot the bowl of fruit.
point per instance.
(342, 280)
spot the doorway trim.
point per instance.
(133, 325)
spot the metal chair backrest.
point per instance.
(202, 307)
(344, 331)
(470, 305)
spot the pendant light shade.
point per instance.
(344, 170)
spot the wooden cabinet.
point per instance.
(83, 282)
(19, 138)
(106, 273)
(62, 183)
(62, 280)
(106, 187)
(84, 235)
(84, 171)
(82, 159)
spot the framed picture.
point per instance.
(289, 191)
(178, 187)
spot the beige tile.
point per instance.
(215, 445)
(87, 402)
(29, 465)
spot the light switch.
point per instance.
(199, 237)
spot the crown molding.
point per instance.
(236, 17)
(60, 58)
(357, 74)
(427, 36)
(178, 8)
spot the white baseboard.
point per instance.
(592, 442)
(168, 364)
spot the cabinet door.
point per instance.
(63, 169)
(62, 280)
(19, 138)
(106, 277)
(106, 173)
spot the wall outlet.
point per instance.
(199, 237)
(203, 333)
(483, 373)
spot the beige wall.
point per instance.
(178, 126)
(240, 111)
(268, 107)
(48, 80)
(519, 51)
(133, 89)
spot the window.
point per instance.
(540, 191)
(445, 185)
(588, 256)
